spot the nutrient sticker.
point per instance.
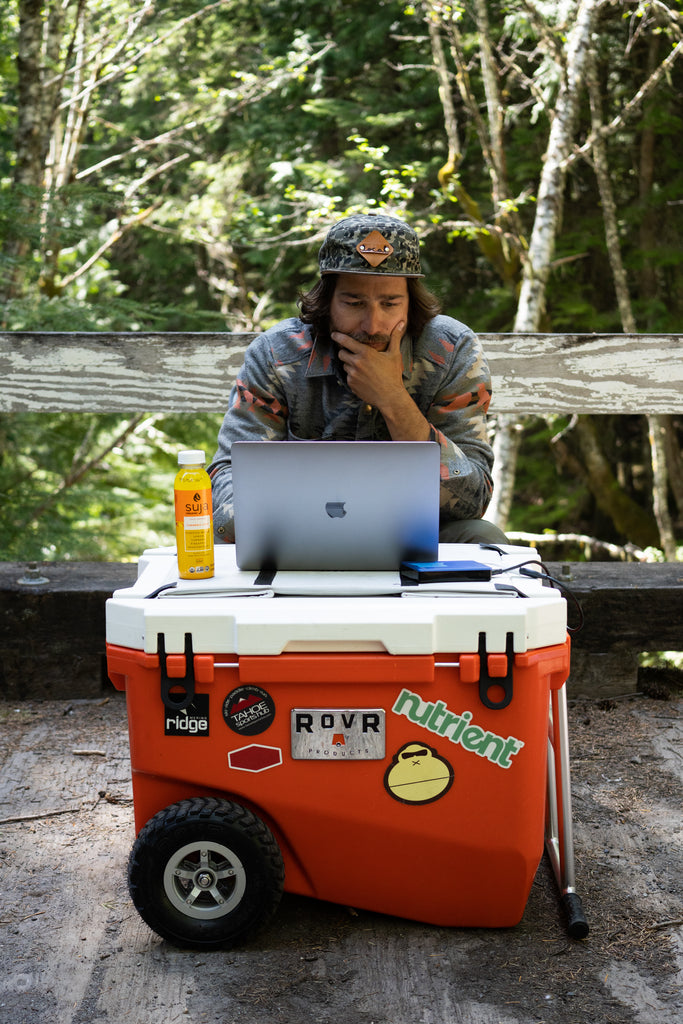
(332, 734)
(439, 719)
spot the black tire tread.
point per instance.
(215, 813)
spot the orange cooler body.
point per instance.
(387, 781)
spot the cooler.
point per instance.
(353, 737)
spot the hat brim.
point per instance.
(370, 272)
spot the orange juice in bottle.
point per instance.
(193, 517)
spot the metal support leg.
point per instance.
(559, 836)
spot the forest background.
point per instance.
(174, 166)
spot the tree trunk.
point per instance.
(656, 424)
(628, 517)
(549, 204)
(32, 133)
(531, 305)
(506, 444)
(31, 141)
(499, 248)
(657, 427)
(494, 106)
(674, 462)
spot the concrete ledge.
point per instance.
(629, 608)
(52, 634)
(631, 605)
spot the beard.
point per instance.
(377, 341)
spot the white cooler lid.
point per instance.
(233, 613)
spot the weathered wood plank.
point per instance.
(586, 373)
(118, 372)
(545, 373)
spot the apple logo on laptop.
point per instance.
(335, 509)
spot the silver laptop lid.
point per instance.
(330, 505)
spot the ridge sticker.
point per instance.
(190, 721)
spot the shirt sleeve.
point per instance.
(257, 411)
(456, 412)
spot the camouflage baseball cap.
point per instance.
(371, 243)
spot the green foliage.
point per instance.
(540, 504)
(122, 504)
(113, 313)
(220, 141)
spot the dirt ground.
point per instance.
(74, 949)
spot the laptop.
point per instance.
(335, 505)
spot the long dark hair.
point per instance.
(423, 305)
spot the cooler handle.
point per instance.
(486, 681)
(176, 701)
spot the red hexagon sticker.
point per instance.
(255, 758)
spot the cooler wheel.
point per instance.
(205, 873)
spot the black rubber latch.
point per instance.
(184, 687)
(486, 682)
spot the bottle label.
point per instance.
(197, 533)
(194, 532)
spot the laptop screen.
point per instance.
(335, 505)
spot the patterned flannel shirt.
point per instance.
(292, 387)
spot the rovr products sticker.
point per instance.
(418, 775)
(249, 710)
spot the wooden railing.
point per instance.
(52, 633)
(532, 373)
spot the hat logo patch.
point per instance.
(375, 249)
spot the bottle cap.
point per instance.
(192, 457)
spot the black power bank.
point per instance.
(443, 572)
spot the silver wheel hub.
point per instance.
(205, 880)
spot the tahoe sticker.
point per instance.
(249, 710)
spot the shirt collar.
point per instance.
(322, 360)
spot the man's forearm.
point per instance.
(404, 420)
(223, 517)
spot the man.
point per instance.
(370, 358)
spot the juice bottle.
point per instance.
(193, 517)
